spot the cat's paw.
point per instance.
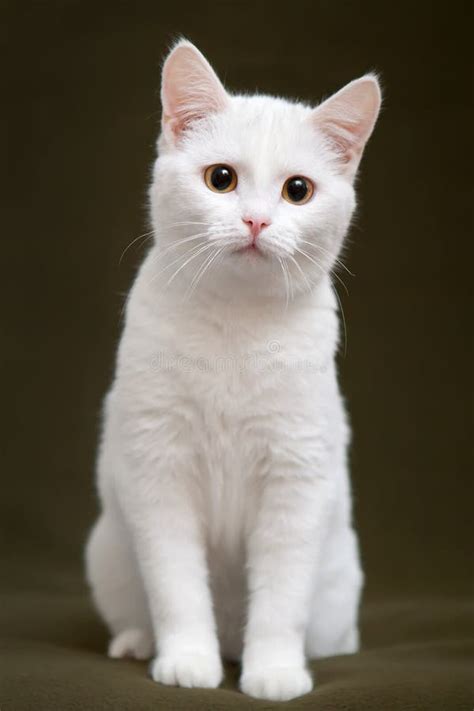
(188, 669)
(276, 683)
(133, 642)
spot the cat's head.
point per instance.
(253, 192)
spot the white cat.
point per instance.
(226, 506)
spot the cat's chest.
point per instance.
(230, 386)
(232, 465)
(231, 365)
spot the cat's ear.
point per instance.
(347, 119)
(190, 89)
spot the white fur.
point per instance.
(226, 508)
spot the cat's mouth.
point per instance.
(251, 249)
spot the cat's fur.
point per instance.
(226, 506)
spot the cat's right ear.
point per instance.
(190, 90)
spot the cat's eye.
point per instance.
(298, 190)
(220, 178)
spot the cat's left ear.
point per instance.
(190, 89)
(347, 119)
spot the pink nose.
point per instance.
(256, 225)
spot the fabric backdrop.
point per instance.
(81, 110)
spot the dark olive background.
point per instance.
(81, 105)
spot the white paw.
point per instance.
(188, 669)
(131, 643)
(277, 683)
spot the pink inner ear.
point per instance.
(344, 138)
(348, 118)
(190, 89)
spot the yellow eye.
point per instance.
(220, 178)
(298, 190)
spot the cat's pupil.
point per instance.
(221, 177)
(297, 189)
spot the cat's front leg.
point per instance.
(283, 550)
(167, 531)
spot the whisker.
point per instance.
(176, 260)
(180, 242)
(196, 276)
(285, 277)
(147, 235)
(305, 254)
(290, 280)
(326, 251)
(193, 256)
(336, 295)
(193, 251)
(343, 318)
(202, 270)
(340, 281)
(308, 283)
(185, 223)
(190, 238)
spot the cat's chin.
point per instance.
(251, 273)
